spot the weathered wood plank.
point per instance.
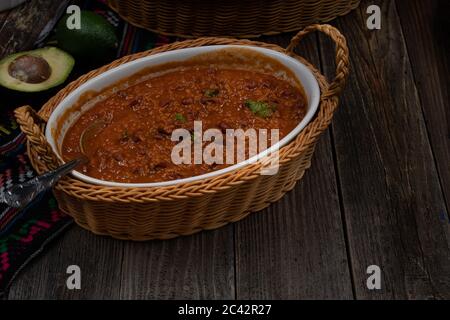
(295, 249)
(200, 266)
(100, 261)
(392, 199)
(195, 267)
(23, 24)
(426, 28)
(3, 16)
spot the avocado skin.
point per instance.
(60, 62)
(95, 41)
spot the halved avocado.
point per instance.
(35, 70)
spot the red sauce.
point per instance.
(135, 145)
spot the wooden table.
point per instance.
(378, 193)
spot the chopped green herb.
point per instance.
(210, 93)
(260, 108)
(125, 135)
(180, 117)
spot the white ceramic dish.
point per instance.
(106, 79)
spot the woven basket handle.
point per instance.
(342, 60)
(32, 125)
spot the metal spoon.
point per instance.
(90, 132)
(22, 194)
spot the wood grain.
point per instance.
(100, 261)
(391, 195)
(194, 267)
(426, 27)
(295, 249)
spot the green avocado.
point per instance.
(35, 70)
(95, 40)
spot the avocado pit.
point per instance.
(30, 69)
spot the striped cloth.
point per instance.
(25, 233)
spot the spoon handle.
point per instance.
(23, 193)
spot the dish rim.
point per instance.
(308, 82)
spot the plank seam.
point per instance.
(427, 130)
(339, 191)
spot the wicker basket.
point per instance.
(182, 209)
(237, 18)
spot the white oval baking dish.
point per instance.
(110, 77)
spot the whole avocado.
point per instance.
(96, 39)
